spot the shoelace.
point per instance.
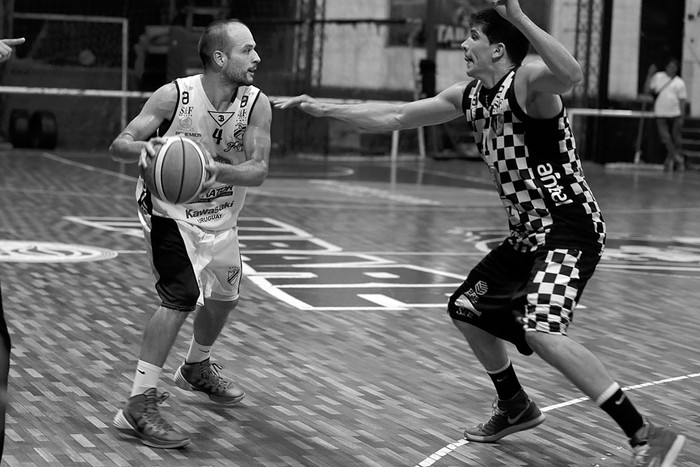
(151, 412)
(640, 453)
(211, 374)
(496, 412)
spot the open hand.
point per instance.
(509, 9)
(305, 102)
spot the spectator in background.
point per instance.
(669, 93)
(5, 345)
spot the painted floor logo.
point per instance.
(50, 252)
(652, 254)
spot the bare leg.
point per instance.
(678, 143)
(211, 319)
(665, 136)
(489, 350)
(573, 360)
(159, 336)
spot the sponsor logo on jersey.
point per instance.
(550, 181)
(189, 134)
(217, 192)
(186, 122)
(237, 143)
(185, 111)
(208, 214)
(220, 117)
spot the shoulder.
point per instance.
(455, 93)
(261, 112)
(166, 93)
(163, 101)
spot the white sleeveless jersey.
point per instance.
(222, 134)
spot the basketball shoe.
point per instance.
(140, 418)
(509, 416)
(655, 446)
(206, 377)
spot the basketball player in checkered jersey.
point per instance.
(525, 290)
(5, 344)
(194, 248)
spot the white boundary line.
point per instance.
(439, 454)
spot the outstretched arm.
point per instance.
(378, 116)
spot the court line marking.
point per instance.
(439, 454)
(88, 167)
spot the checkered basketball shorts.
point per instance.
(510, 293)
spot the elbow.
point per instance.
(575, 76)
(261, 176)
(114, 153)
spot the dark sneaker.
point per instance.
(140, 418)
(517, 414)
(206, 377)
(655, 446)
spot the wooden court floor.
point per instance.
(341, 339)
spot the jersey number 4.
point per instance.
(217, 135)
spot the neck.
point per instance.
(491, 77)
(217, 90)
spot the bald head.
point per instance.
(221, 35)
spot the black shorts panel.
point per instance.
(177, 284)
(509, 291)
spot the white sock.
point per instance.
(146, 377)
(198, 352)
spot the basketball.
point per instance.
(177, 172)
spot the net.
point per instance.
(64, 55)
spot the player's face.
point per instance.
(672, 68)
(242, 59)
(478, 52)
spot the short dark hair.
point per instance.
(498, 29)
(214, 37)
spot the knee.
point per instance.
(218, 306)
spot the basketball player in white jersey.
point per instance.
(193, 247)
(525, 290)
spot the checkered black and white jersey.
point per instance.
(537, 171)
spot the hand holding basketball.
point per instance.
(211, 171)
(149, 150)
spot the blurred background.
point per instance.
(88, 66)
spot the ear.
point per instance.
(499, 51)
(219, 57)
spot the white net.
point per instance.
(62, 40)
(64, 53)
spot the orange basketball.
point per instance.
(177, 172)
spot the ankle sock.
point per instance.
(197, 352)
(616, 404)
(146, 377)
(506, 382)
